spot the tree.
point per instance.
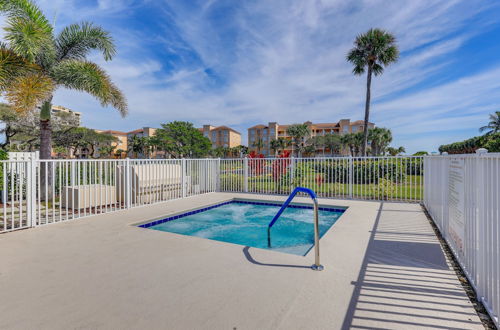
(78, 139)
(372, 51)
(421, 153)
(395, 151)
(275, 146)
(353, 142)
(181, 139)
(35, 62)
(332, 142)
(258, 144)
(379, 138)
(298, 133)
(136, 145)
(493, 125)
(23, 129)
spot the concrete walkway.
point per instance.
(384, 268)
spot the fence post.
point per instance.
(351, 176)
(480, 253)
(183, 176)
(128, 184)
(31, 192)
(245, 176)
(292, 173)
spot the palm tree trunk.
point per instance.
(46, 151)
(367, 110)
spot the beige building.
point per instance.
(273, 130)
(60, 109)
(121, 144)
(221, 136)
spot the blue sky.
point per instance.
(240, 63)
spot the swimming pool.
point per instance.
(245, 223)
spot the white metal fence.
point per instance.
(462, 197)
(373, 178)
(38, 192)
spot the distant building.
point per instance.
(121, 144)
(76, 116)
(221, 136)
(273, 130)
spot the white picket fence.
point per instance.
(462, 197)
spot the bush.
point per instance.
(385, 189)
(364, 172)
(231, 182)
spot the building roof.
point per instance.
(225, 127)
(258, 126)
(359, 122)
(139, 130)
(110, 131)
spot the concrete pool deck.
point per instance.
(384, 268)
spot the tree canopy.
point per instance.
(181, 139)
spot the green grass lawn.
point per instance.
(410, 189)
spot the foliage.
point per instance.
(493, 125)
(363, 171)
(353, 142)
(379, 138)
(77, 139)
(181, 139)
(421, 153)
(23, 129)
(395, 151)
(255, 165)
(489, 141)
(372, 51)
(35, 62)
(384, 188)
(279, 166)
(298, 133)
(258, 144)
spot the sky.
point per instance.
(241, 63)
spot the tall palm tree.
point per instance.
(332, 142)
(372, 51)
(493, 125)
(298, 133)
(282, 143)
(34, 62)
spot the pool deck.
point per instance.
(384, 268)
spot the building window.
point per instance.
(214, 136)
(346, 129)
(252, 132)
(272, 132)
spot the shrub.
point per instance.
(384, 189)
(231, 182)
(364, 172)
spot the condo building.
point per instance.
(221, 136)
(273, 130)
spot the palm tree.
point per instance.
(332, 142)
(258, 144)
(282, 143)
(35, 62)
(395, 151)
(136, 145)
(379, 138)
(372, 51)
(298, 133)
(494, 124)
(275, 146)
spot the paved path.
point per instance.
(384, 268)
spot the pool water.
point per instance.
(246, 223)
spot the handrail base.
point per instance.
(317, 267)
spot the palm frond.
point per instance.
(28, 91)
(11, 66)
(89, 77)
(27, 29)
(77, 40)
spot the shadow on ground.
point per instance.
(405, 280)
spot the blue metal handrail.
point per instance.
(317, 265)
